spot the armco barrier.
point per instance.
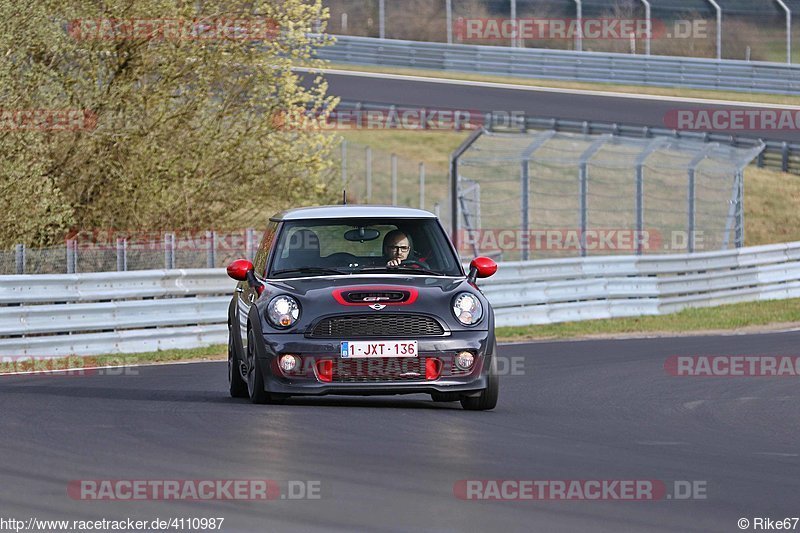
(125, 312)
(664, 71)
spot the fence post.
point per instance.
(169, 251)
(382, 18)
(422, 185)
(369, 174)
(449, 9)
(72, 256)
(122, 254)
(437, 209)
(394, 179)
(19, 258)
(691, 209)
(250, 243)
(739, 231)
(344, 162)
(211, 243)
(524, 195)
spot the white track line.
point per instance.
(536, 88)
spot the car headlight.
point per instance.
(467, 308)
(283, 311)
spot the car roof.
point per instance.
(351, 211)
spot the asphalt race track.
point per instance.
(550, 103)
(603, 409)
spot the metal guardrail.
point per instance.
(777, 155)
(662, 71)
(125, 312)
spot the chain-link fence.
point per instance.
(369, 176)
(741, 29)
(377, 177)
(545, 194)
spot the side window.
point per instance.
(260, 262)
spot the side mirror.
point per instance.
(481, 267)
(239, 269)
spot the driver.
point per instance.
(396, 247)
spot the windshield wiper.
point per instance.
(403, 268)
(309, 270)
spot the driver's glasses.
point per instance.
(398, 248)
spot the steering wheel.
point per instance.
(412, 262)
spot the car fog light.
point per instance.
(465, 360)
(288, 363)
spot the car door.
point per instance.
(247, 295)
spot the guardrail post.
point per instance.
(211, 250)
(437, 209)
(19, 258)
(122, 254)
(72, 256)
(422, 185)
(785, 156)
(369, 174)
(394, 179)
(169, 251)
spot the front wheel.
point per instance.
(255, 379)
(488, 396)
(238, 387)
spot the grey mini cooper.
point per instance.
(361, 300)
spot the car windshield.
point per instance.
(353, 246)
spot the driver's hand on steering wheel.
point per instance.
(394, 262)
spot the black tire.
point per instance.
(255, 380)
(488, 397)
(238, 386)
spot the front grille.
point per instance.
(378, 370)
(394, 325)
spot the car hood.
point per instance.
(321, 296)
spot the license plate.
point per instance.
(364, 349)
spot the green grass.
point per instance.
(744, 316)
(22, 364)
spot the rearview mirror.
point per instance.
(361, 234)
(238, 269)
